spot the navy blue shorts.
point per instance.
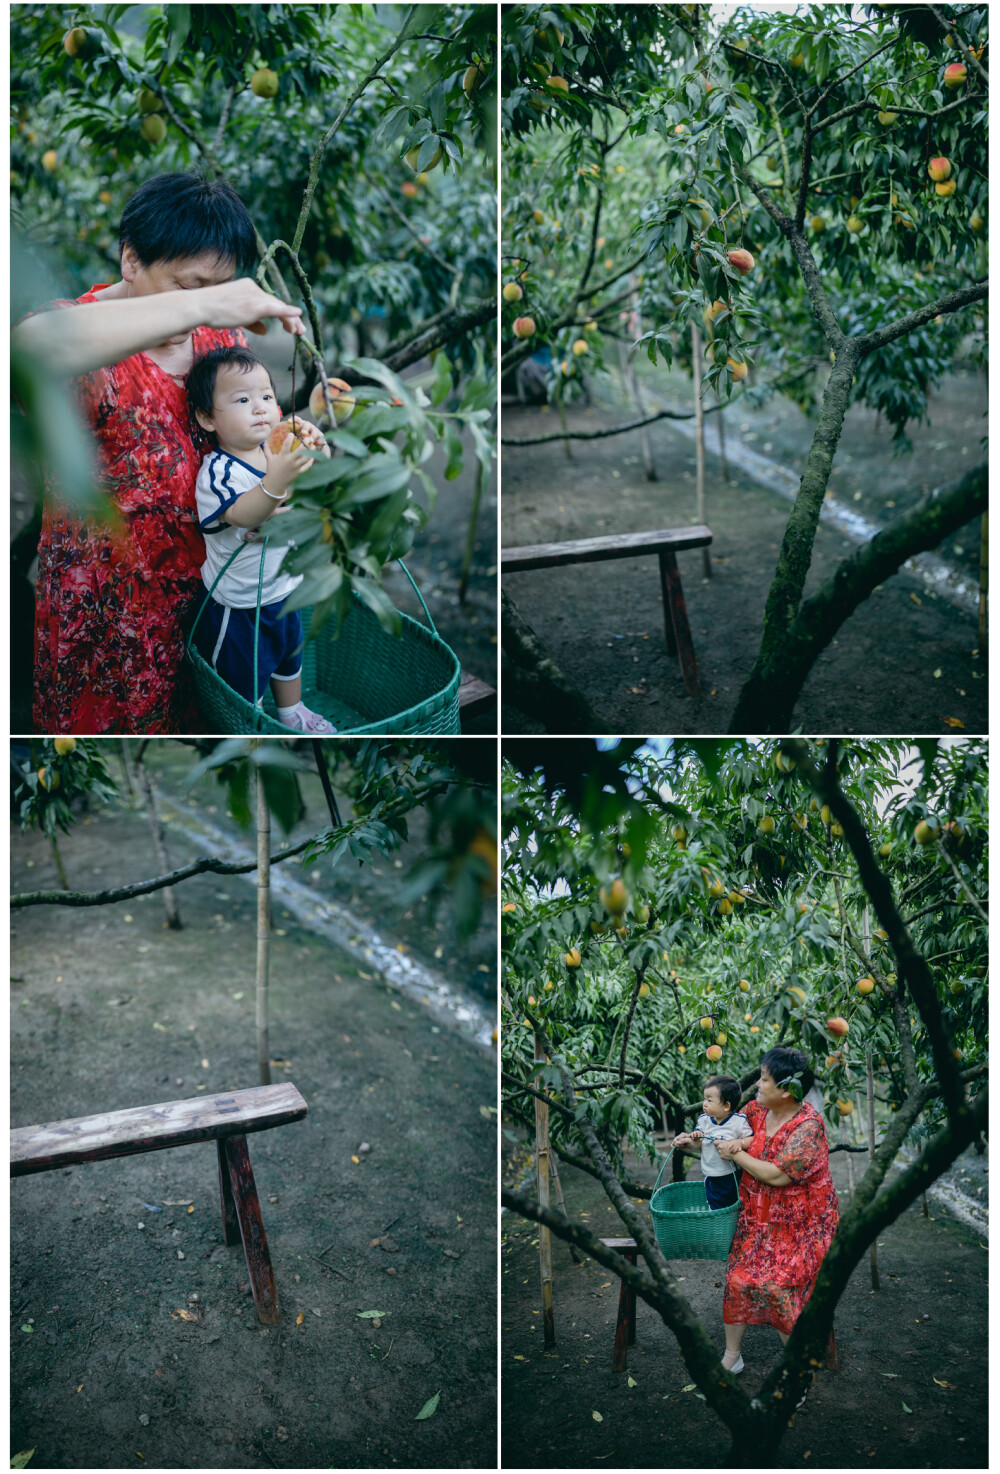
(225, 638)
(721, 1192)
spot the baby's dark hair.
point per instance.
(730, 1090)
(780, 1063)
(204, 371)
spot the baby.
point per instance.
(240, 485)
(718, 1123)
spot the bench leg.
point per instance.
(230, 1225)
(247, 1207)
(832, 1359)
(676, 621)
(625, 1329)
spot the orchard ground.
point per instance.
(885, 1408)
(105, 1377)
(904, 661)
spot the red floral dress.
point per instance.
(110, 601)
(783, 1232)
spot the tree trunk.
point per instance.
(770, 693)
(984, 580)
(263, 923)
(159, 848)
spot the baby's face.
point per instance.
(244, 409)
(712, 1105)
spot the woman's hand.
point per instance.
(729, 1149)
(243, 304)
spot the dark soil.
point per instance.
(110, 1009)
(435, 562)
(906, 660)
(927, 1322)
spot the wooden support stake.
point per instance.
(247, 1208)
(984, 580)
(699, 440)
(263, 922)
(625, 1326)
(574, 1252)
(676, 622)
(544, 1234)
(832, 1359)
(870, 1079)
(145, 785)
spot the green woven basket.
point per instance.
(362, 680)
(685, 1226)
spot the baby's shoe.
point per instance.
(300, 719)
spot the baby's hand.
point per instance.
(310, 435)
(283, 465)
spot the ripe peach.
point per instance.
(280, 434)
(741, 260)
(865, 986)
(925, 832)
(513, 292)
(264, 83)
(524, 327)
(50, 161)
(887, 118)
(573, 957)
(817, 224)
(64, 745)
(845, 1106)
(344, 403)
(713, 1052)
(955, 75)
(946, 188)
(939, 168)
(580, 347)
(557, 84)
(409, 189)
(855, 224)
(838, 1026)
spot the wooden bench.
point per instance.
(625, 1326)
(225, 1119)
(475, 697)
(666, 544)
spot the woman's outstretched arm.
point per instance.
(92, 335)
(763, 1171)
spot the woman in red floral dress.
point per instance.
(112, 598)
(789, 1205)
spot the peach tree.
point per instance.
(671, 910)
(362, 145)
(810, 191)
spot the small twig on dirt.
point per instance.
(390, 1347)
(333, 1269)
(391, 1222)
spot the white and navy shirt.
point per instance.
(222, 480)
(712, 1131)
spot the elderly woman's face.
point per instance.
(184, 274)
(768, 1093)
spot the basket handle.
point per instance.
(419, 596)
(666, 1159)
(256, 623)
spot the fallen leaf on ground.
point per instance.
(597, 1417)
(22, 1460)
(953, 722)
(191, 1208)
(372, 1314)
(690, 1387)
(356, 1159)
(450, 1253)
(949, 1385)
(632, 1382)
(185, 1315)
(176, 1202)
(429, 1408)
(907, 1409)
(300, 1317)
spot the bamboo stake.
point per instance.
(575, 1254)
(699, 442)
(544, 1234)
(923, 1196)
(145, 786)
(848, 1155)
(60, 868)
(984, 575)
(634, 387)
(263, 921)
(720, 420)
(870, 1078)
(565, 427)
(127, 767)
(470, 536)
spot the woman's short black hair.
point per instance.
(204, 371)
(176, 216)
(780, 1063)
(730, 1090)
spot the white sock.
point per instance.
(287, 711)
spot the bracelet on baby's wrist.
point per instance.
(282, 498)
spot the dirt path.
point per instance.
(927, 1322)
(110, 1009)
(905, 660)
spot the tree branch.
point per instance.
(871, 342)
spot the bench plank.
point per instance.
(152, 1128)
(475, 696)
(597, 549)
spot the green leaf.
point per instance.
(371, 1314)
(379, 603)
(907, 1409)
(29, 1330)
(453, 444)
(441, 387)
(429, 1408)
(179, 21)
(597, 1417)
(345, 441)
(315, 588)
(23, 1459)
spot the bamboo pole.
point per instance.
(60, 868)
(699, 442)
(634, 387)
(870, 1080)
(127, 767)
(720, 421)
(575, 1254)
(470, 535)
(145, 786)
(263, 921)
(544, 1234)
(565, 428)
